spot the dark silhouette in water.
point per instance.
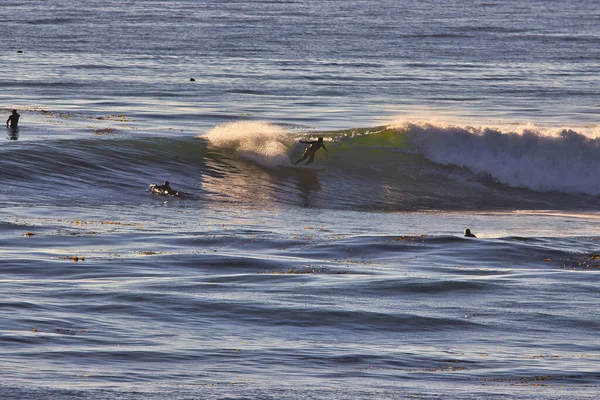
(13, 119)
(312, 149)
(469, 234)
(164, 189)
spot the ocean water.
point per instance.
(348, 280)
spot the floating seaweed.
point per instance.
(105, 131)
(584, 262)
(411, 238)
(307, 270)
(73, 258)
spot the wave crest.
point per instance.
(261, 142)
(540, 159)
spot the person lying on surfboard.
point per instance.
(164, 189)
(312, 149)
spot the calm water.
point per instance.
(351, 280)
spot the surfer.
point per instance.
(469, 234)
(13, 119)
(312, 149)
(165, 188)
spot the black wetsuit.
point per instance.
(164, 189)
(13, 119)
(310, 152)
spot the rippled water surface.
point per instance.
(349, 280)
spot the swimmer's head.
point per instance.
(166, 183)
(14, 111)
(320, 139)
(467, 231)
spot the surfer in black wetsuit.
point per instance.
(312, 149)
(13, 119)
(165, 188)
(469, 234)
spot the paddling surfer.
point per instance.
(164, 189)
(312, 149)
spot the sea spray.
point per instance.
(261, 142)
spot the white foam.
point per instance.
(541, 159)
(261, 142)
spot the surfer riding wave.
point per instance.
(312, 149)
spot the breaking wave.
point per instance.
(402, 166)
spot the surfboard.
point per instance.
(162, 192)
(301, 168)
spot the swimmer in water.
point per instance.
(469, 234)
(312, 149)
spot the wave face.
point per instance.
(410, 165)
(404, 166)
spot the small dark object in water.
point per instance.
(19, 51)
(192, 80)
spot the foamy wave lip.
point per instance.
(261, 142)
(541, 159)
